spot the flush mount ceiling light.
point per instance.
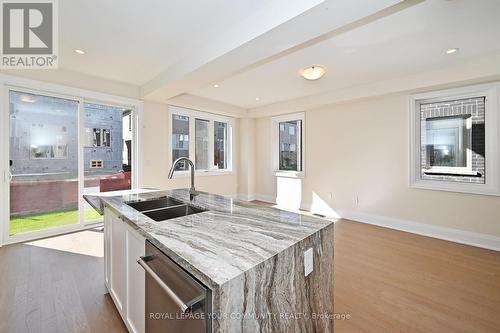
(452, 50)
(313, 72)
(78, 51)
(257, 99)
(216, 85)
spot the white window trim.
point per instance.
(275, 135)
(492, 149)
(211, 117)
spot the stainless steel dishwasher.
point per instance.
(175, 301)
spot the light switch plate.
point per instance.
(308, 262)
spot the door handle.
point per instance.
(7, 176)
(185, 308)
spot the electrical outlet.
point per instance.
(308, 262)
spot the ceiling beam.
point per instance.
(207, 105)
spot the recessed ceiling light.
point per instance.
(79, 51)
(257, 99)
(451, 51)
(216, 85)
(313, 72)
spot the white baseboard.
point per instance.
(449, 234)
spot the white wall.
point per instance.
(156, 158)
(361, 148)
(246, 171)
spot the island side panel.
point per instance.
(276, 296)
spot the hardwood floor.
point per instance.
(56, 285)
(386, 280)
(392, 281)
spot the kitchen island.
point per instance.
(251, 258)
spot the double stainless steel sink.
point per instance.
(164, 208)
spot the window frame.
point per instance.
(275, 123)
(492, 149)
(464, 171)
(211, 118)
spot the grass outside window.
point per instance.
(35, 222)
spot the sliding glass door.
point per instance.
(107, 147)
(43, 153)
(59, 149)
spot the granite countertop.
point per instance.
(217, 245)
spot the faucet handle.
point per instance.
(193, 193)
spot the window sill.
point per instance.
(202, 173)
(449, 186)
(451, 172)
(289, 174)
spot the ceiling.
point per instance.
(167, 48)
(404, 43)
(133, 41)
(176, 50)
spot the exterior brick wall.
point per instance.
(475, 107)
(29, 197)
(43, 196)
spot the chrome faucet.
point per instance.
(192, 190)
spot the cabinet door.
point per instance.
(118, 261)
(107, 247)
(135, 282)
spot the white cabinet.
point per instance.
(107, 248)
(135, 283)
(124, 278)
(118, 262)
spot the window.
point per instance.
(180, 140)
(48, 141)
(96, 164)
(98, 137)
(220, 143)
(201, 137)
(106, 138)
(447, 144)
(289, 158)
(96, 141)
(211, 148)
(288, 142)
(454, 135)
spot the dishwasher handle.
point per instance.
(185, 308)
